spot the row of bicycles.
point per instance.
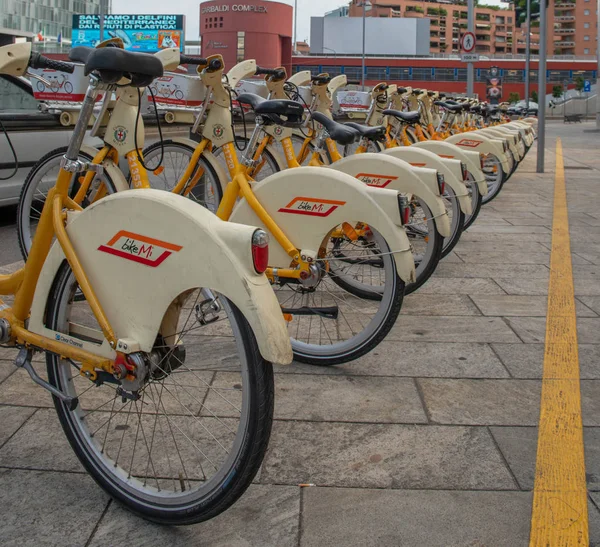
(163, 282)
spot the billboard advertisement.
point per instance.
(145, 33)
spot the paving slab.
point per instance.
(452, 329)
(519, 447)
(385, 456)
(482, 402)
(24, 450)
(47, 509)
(459, 285)
(438, 304)
(428, 359)
(524, 285)
(533, 329)
(12, 419)
(332, 398)
(521, 306)
(527, 360)
(266, 515)
(501, 257)
(389, 518)
(506, 269)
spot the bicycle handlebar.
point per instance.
(39, 61)
(353, 82)
(189, 60)
(279, 73)
(321, 79)
(215, 64)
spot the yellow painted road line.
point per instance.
(560, 515)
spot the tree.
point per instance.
(534, 96)
(557, 91)
(579, 84)
(514, 97)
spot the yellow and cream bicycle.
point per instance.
(314, 256)
(160, 370)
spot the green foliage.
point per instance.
(534, 96)
(514, 97)
(557, 91)
(579, 83)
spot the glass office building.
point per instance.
(51, 18)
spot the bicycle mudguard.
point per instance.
(112, 170)
(525, 130)
(385, 171)
(142, 249)
(470, 158)
(483, 144)
(307, 203)
(450, 168)
(510, 137)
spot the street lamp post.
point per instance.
(541, 140)
(365, 4)
(528, 54)
(295, 39)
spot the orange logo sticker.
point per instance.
(141, 249)
(312, 206)
(468, 142)
(418, 164)
(380, 181)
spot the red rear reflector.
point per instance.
(404, 207)
(441, 183)
(465, 171)
(260, 250)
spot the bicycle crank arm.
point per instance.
(327, 313)
(23, 360)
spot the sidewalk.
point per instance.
(429, 440)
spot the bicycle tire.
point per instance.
(178, 507)
(208, 195)
(457, 221)
(33, 178)
(495, 181)
(476, 202)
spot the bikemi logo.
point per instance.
(65, 340)
(468, 142)
(312, 206)
(379, 181)
(141, 249)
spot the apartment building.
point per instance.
(494, 26)
(572, 25)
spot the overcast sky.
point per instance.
(191, 9)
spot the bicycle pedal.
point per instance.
(23, 360)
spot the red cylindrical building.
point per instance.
(251, 29)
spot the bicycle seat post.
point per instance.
(70, 162)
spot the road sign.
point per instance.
(587, 86)
(469, 57)
(467, 42)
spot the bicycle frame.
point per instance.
(80, 234)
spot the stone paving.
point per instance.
(429, 440)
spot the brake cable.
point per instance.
(235, 137)
(293, 93)
(14, 153)
(137, 118)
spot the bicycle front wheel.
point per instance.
(184, 446)
(203, 186)
(39, 181)
(457, 219)
(476, 201)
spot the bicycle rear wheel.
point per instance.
(184, 446)
(476, 201)
(39, 181)
(329, 320)
(457, 219)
